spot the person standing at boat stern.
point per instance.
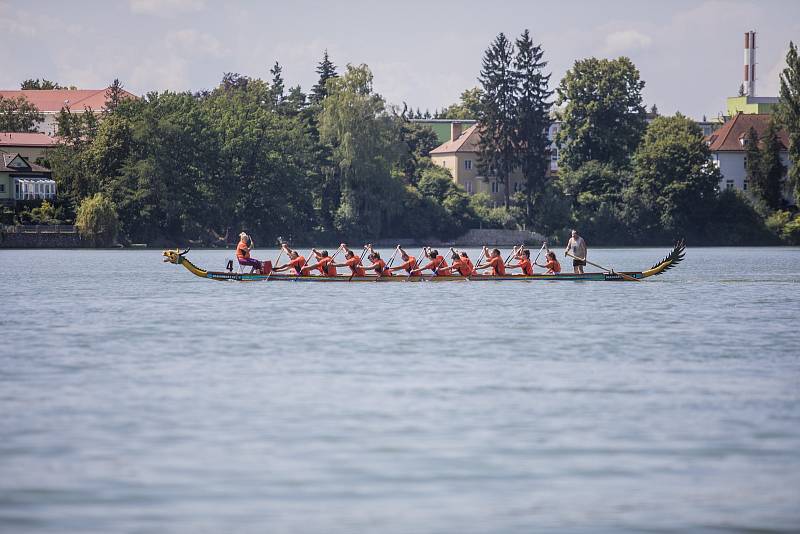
(576, 247)
(243, 252)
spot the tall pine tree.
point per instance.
(532, 118)
(497, 118)
(326, 70)
(277, 89)
(772, 169)
(789, 113)
(752, 164)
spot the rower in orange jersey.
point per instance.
(324, 263)
(352, 261)
(494, 261)
(378, 265)
(552, 265)
(296, 261)
(465, 259)
(409, 262)
(523, 256)
(436, 263)
(460, 266)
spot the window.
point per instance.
(444, 164)
(469, 187)
(728, 184)
(2, 188)
(495, 187)
(468, 164)
(744, 186)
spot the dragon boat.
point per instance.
(672, 259)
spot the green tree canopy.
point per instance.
(674, 183)
(789, 112)
(603, 116)
(97, 220)
(38, 84)
(18, 115)
(468, 107)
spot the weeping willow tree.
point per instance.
(365, 145)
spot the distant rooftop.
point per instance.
(36, 139)
(52, 100)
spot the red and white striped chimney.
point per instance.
(750, 63)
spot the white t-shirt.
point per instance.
(577, 247)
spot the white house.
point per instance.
(728, 147)
(49, 102)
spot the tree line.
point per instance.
(338, 163)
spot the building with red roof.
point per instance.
(460, 155)
(50, 102)
(728, 147)
(29, 145)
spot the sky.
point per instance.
(425, 53)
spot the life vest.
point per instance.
(241, 251)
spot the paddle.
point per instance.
(308, 258)
(354, 271)
(475, 266)
(511, 254)
(544, 243)
(391, 261)
(280, 242)
(612, 271)
(416, 265)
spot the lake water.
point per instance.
(136, 397)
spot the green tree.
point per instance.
(603, 115)
(40, 84)
(532, 118)
(497, 151)
(277, 89)
(18, 115)
(674, 184)
(468, 107)
(326, 70)
(789, 113)
(114, 96)
(752, 163)
(366, 144)
(97, 220)
(772, 169)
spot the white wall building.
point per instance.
(728, 147)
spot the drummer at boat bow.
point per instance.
(243, 252)
(409, 262)
(296, 262)
(324, 263)
(523, 257)
(352, 261)
(577, 249)
(494, 261)
(437, 262)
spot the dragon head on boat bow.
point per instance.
(174, 256)
(671, 260)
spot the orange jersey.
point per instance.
(553, 267)
(526, 266)
(242, 251)
(325, 266)
(434, 265)
(408, 265)
(497, 265)
(354, 263)
(469, 264)
(297, 264)
(464, 267)
(380, 268)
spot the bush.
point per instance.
(735, 221)
(791, 232)
(97, 220)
